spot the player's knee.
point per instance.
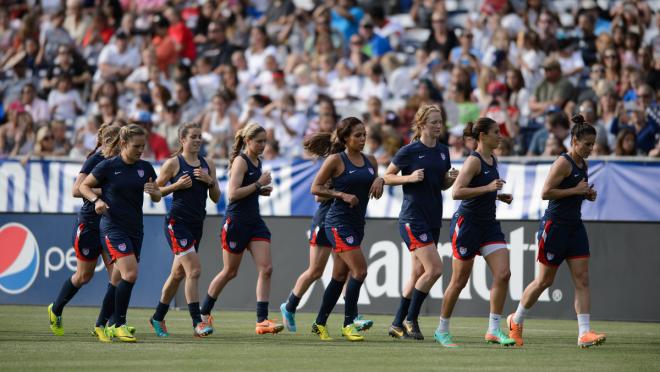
(360, 275)
(82, 278)
(435, 273)
(266, 270)
(502, 276)
(178, 275)
(130, 276)
(315, 273)
(544, 283)
(582, 280)
(230, 273)
(194, 273)
(460, 282)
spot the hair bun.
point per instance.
(578, 119)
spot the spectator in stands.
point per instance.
(441, 40)
(190, 108)
(54, 37)
(66, 64)
(220, 123)
(205, 83)
(286, 125)
(346, 17)
(553, 146)
(456, 143)
(165, 46)
(552, 93)
(626, 144)
(257, 50)
(589, 111)
(556, 123)
(610, 59)
(217, 48)
(181, 35)
(271, 151)
(64, 102)
(17, 137)
(465, 53)
(374, 82)
(518, 95)
(60, 142)
(156, 146)
(170, 122)
(375, 45)
(117, 60)
(547, 30)
(34, 105)
(76, 22)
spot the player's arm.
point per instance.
(86, 189)
(393, 178)
(332, 166)
(169, 169)
(236, 175)
(471, 168)
(450, 178)
(376, 190)
(76, 186)
(214, 189)
(561, 169)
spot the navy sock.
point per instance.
(352, 295)
(193, 309)
(416, 302)
(330, 297)
(209, 302)
(66, 294)
(292, 303)
(108, 306)
(262, 311)
(161, 311)
(122, 298)
(402, 312)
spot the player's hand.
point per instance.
(151, 188)
(582, 188)
(592, 194)
(452, 175)
(505, 198)
(376, 190)
(265, 178)
(266, 190)
(183, 182)
(416, 176)
(100, 207)
(496, 185)
(350, 199)
(202, 176)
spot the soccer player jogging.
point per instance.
(243, 228)
(474, 230)
(355, 179)
(86, 239)
(425, 171)
(562, 235)
(191, 178)
(123, 180)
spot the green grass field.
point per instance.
(27, 344)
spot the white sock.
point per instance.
(519, 316)
(443, 326)
(583, 323)
(494, 323)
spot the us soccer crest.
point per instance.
(206, 170)
(423, 237)
(462, 251)
(371, 170)
(122, 247)
(232, 245)
(550, 256)
(350, 240)
(140, 173)
(85, 251)
(443, 156)
(183, 242)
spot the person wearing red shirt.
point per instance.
(181, 35)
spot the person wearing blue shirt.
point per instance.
(374, 45)
(190, 178)
(86, 240)
(123, 180)
(425, 171)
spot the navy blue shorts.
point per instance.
(181, 236)
(416, 236)
(559, 241)
(470, 237)
(119, 244)
(236, 236)
(318, 237)
(344, 238)
(87, 241)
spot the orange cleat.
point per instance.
(515, 330)
(268, 326)
(591, 338)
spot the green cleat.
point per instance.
(351, 333)
(123, 334)
(100, 333)
(444, 339)
(322, 331)
(499, 338)
(55, 322)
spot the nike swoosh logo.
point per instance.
(117, 172)
(350, 172)
(421, 156)
(251, 173)
(576, 175)
(486, 172)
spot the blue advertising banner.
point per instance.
(37, 256)
(627, 191)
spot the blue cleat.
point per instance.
(159, 327)
(289, 318)
(362, 324)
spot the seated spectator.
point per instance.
(626, 143)
(181, 34)
(553, 146)
(374, 82)
(156, 147)
(464, 54)
(518, 95)
(499, 109)
(205, 83)
(286, 125)
(44, 144)
(217, 48)
(220, 123)
(553, 92)
(53, 38)
(117, 60)
(17, 137)
(190, 108)
(570, 60)
(257, 50)
(34, 105)
(556, 123)
(375, 45)
(64, 102)
(271, 151)
(456, 143)
(346, 86)
(306, 92)
(375, 114)
(164, 45)
(61, 144)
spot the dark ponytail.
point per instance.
(324, 144)
(581, 128)
(482, 125)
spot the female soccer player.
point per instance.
(243, 227)
(191, 178)
(474, 230)
(562, 235)
(123, 180)
(425, 171)
(86, 239)
(355, 179)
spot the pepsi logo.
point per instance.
(19, 261)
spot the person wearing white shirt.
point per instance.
(256, 53)
(346, 85)
(285, 125)
(64, 102)
(117, 60)
(36, 106)
(205, 83)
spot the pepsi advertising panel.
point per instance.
(38, 256)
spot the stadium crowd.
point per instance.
(296, 66)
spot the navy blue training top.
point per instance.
(321, 212)
(422, 201)
(354, 180)
(481, 207)
(123, 190)
(189, 204)
(570, 208)
(247, 209)
(87, 213)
